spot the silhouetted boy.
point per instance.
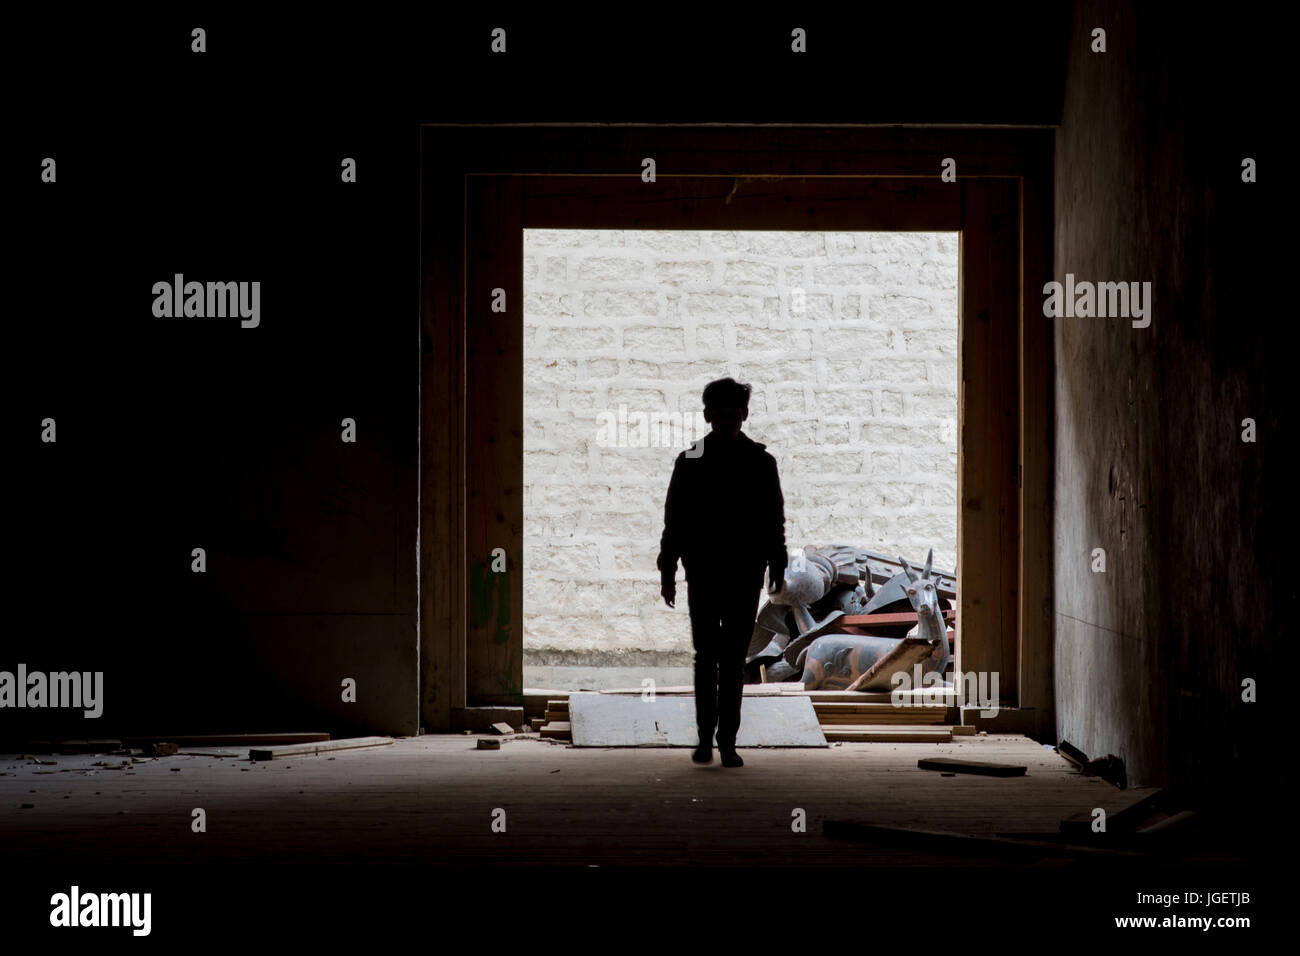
(725, 519)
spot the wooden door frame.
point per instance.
(481, 186)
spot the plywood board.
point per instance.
(907, 653)
(618, 720)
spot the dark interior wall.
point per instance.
(178, 433)
(1150, 463)
(183, 433)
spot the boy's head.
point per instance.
(726, 404)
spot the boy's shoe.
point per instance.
(729, 757)
(703, 754)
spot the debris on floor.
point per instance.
(324, 746)
(232, 740)
(1109, 768)
(555, 725)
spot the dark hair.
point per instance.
(726, 393)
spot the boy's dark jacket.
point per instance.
(724, 513)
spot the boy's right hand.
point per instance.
(669, 591)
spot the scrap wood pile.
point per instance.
(555, 725)
(843, 716)
(848, 619)
(843, 623)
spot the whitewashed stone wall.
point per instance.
(850, 343)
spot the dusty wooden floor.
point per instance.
(432, 799)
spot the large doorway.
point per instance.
(849, 340)
(478, 206)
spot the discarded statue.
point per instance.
(801, 635)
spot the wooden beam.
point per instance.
(903, 617)
(323, 747)
(988, 464)
(885, 735)
(1035, 625)
(982, 768)
(494, 427)
(768, 150)
(442, 422)
(231, 740)
(839, 204)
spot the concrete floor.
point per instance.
(431, 799)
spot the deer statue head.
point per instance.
(929, 618)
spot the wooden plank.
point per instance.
(231, 740)
(750, 690)
(1034, 685)
(321, 747)
(557, 729)
(75, 746)
(988, 387)
(223, 754)
(919, 697)
(883, 735)
(442, 422)
(903, 617)
(882, 714)
(866, 707)
(983, 768)
(494, 478)
(1072, 754)
(902, 657)
(901, 720)
(1125, 810)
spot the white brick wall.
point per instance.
(856, 396)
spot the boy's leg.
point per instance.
(739, 609)
(706, 633)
